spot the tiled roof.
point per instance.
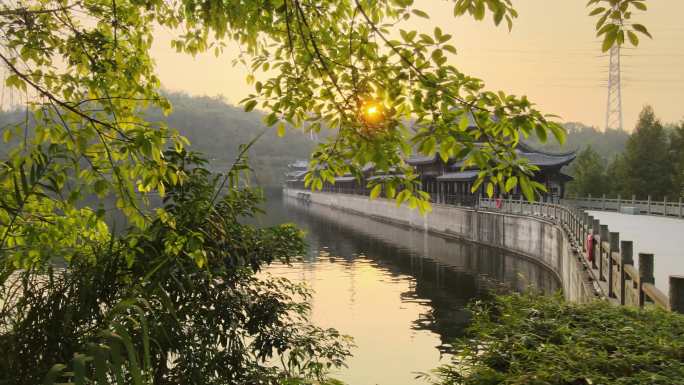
(344, 178)
(546, 160)
(460, 176)
(421, 159)
(383, 177)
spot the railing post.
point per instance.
(619, 203)
(649, 205)
(645, 275)
(614, 248)
(680, 207)
(595, 226)
(626, 258)
(677, 293)
(603, 202)
(664, 206)
(602, 264)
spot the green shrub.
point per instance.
(531, 339)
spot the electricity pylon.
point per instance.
(614, 105)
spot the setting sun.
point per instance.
(373, 113)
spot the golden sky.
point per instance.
(552, 56)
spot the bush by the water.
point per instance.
(531, 339)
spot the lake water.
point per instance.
(400, 293)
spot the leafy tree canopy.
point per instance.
(647, 158)
(588, 171)
(86, 65)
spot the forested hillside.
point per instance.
(216, 129)
(651, 162)
(607, 143)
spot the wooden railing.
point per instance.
(665, 207)
(612, 265)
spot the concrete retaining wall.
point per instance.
(532, 237)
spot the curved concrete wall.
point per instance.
(532, 237)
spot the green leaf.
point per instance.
(597, 11)
(464, 123)
(511, 183)
(490, 189)
(402, 197)
(609, 40)
(558, 131)
(479, 11)
(391, 191)
(526, 188)
(642, 29)
(541, 132)
(375, 192)
(250, 105)
(449, 48)
(639, 5)
(420, 13)
(633, 38)
(281, 129)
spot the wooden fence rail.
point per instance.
(665, 207)
(611, 259)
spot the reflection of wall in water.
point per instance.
(509, 268)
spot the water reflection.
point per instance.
(399, 292)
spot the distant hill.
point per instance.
(607, 144)
(216, 129)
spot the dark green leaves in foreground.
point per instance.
(530, 339)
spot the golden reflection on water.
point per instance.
(362, 299)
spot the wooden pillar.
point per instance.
(626, 258)
(602, 263)
(614, 248)
(645, 275)
(677, 293)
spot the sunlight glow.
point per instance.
(373, 113)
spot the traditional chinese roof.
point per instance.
(418, 160)
(345, 178)
(536, 157)
(541, 159)
(460, 176)
(386, 176)
(565, 177)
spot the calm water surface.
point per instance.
(399, 293)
